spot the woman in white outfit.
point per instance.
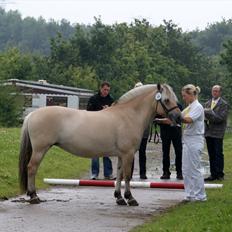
(193, 144)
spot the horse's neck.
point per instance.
(143, 108)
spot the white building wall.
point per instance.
(73, 102)
(38, 100)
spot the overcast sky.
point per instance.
(188, 14)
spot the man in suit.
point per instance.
(216, 112)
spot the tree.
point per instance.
(226, 59)
(15, 65)
(11, 106)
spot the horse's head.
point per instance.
(166, 103)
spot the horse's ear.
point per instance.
(159, 87)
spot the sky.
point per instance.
(187, 14)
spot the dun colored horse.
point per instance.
(114, 131)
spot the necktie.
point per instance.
(213, 104)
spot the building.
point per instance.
(41, 93)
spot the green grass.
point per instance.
(214, 215)
(56, 164)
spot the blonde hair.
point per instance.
(191, 89)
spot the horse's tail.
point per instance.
(24, 155)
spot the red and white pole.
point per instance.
(134, 184)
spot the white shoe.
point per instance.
(111, 177)
(94, 177)
(200, 200)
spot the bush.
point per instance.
(11, 106)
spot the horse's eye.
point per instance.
(166, 101)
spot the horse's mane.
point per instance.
(135, 92)
(143, 89)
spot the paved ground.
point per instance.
(88, 209)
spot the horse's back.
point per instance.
(46, 123)
(76, 131)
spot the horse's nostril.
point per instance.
(178, 119)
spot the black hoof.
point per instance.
(132, 202)
(34, 200)
(121, 201)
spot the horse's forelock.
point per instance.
(169, 92)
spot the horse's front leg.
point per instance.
(127, 165)
(117, 193)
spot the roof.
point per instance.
(43, 85)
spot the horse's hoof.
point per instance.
(132, 202)
(34, 200)
(121, 201)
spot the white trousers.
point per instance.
(191, 167)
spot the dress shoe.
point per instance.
(179, 176)
(143, 177)
(210, 178)
(165, 176)
(220, 178)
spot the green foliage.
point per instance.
(226, 59)
(29, 34)
(122, 54)
(211, 40)
(11, 106)
(56, 159)
(84, 78)
(15, 65)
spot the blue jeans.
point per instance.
(107, 165)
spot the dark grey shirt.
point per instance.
(216, 119)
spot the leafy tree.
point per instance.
(11, 106)
(211, 40)
(226, 59)
(15, 65)
(85, 77)
(30, 34)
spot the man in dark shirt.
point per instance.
(100, 101)
(170, 134)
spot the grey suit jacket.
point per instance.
(216, 119)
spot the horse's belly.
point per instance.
(87, 151)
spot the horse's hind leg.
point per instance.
(33, 165)
(117, 192)
(127, 164)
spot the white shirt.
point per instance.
(196, 112)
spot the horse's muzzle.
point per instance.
(175, 118)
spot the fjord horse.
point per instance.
(114, 131)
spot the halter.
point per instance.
(158, 98)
